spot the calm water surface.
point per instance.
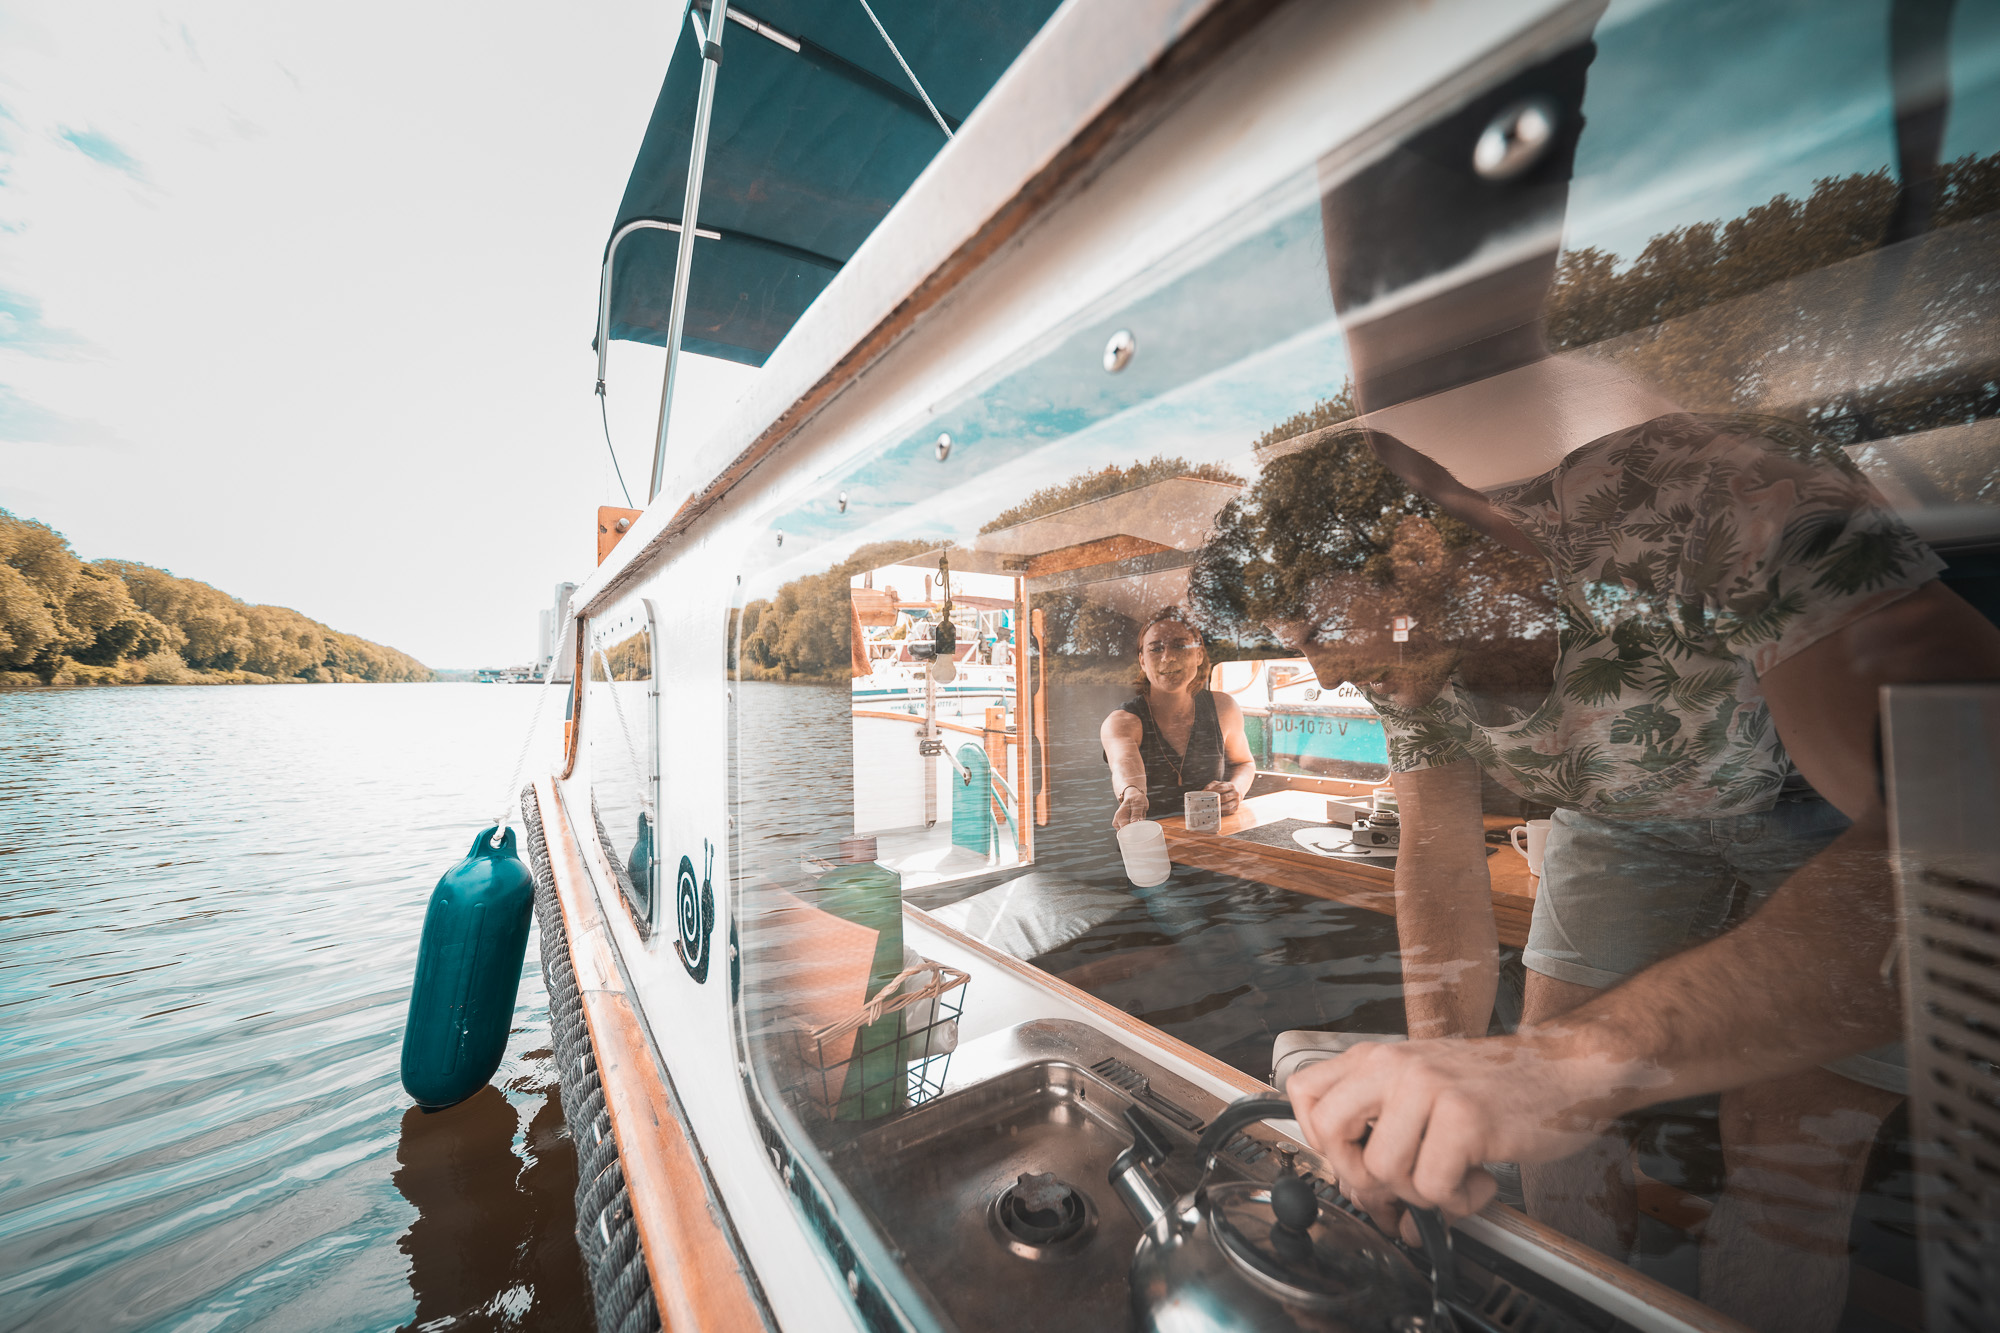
(210, 900)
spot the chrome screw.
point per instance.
(1515, 140)
(781, 539)
(1118, 351)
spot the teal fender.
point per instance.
(468, 972)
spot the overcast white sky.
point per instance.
(297, 299)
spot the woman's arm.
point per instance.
(1121, 736)
(1239, 765)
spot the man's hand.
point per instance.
(1416, 1121)
(1231, 797)
(1131, 808)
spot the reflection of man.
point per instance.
(1729, 604)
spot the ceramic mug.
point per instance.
(1202, 811)
(1535, 834)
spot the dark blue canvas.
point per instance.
(807, 152)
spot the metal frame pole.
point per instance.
(604, 281)
(711, 62)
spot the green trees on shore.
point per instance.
(115, 622)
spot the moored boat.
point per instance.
(866, 1007)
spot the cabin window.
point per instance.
(619, 725)
(1541, 467)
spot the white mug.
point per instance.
(1202, 811)
(1143, 844)
(1535, 833)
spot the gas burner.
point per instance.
(1041, 1217)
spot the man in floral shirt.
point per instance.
(1714, 905)
(1730, 598)
(1690, 556)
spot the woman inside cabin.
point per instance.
(1175, 735)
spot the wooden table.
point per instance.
(1355, 883)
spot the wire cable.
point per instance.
(605, 415)
(907, 71)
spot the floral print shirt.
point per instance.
(1691, 554)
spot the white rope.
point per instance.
(527, 743)
(907, 71)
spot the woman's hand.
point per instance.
(1231, 797)
(1133, 806)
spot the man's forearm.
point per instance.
(1800, 983)
(1444, 923)
(1444, 905)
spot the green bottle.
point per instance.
(871, 895)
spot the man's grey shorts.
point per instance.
(1618, 895)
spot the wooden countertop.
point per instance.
(1354, 883)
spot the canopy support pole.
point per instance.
(711, 62)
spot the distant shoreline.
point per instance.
(65, 621)
(21, 680)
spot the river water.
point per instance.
(210, 903)
(210, 900)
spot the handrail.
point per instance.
(604, 280)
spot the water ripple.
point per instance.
(209, 908)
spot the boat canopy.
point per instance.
(817, 129)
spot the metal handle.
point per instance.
(1431, 1228)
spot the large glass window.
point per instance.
(1517, 456)
(619, 730)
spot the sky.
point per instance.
(297, 300)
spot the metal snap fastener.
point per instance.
(1515, 140)
(943, 447)
(1118, 351)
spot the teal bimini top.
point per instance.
(808, 150)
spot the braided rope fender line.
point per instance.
(621, 1289)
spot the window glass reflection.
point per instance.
(619, 725)
(1450, 644)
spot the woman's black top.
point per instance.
(1170, 776)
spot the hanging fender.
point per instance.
(468, 973)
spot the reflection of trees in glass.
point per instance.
(631, 658)
(1109, 481)
(804, 632)
(1330, 545)
(1745, 315)
(63, 621)
(1079, 634)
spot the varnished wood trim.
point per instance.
(1101, 551)
(699, 1280)
(573, 725)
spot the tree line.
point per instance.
(1327, 539)
(65, 621)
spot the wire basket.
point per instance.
(892, 1052)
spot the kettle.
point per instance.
(1256, 1258)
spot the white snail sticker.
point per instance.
(694, 913)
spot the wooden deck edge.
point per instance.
(1610, 1277)
(699, 1280)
